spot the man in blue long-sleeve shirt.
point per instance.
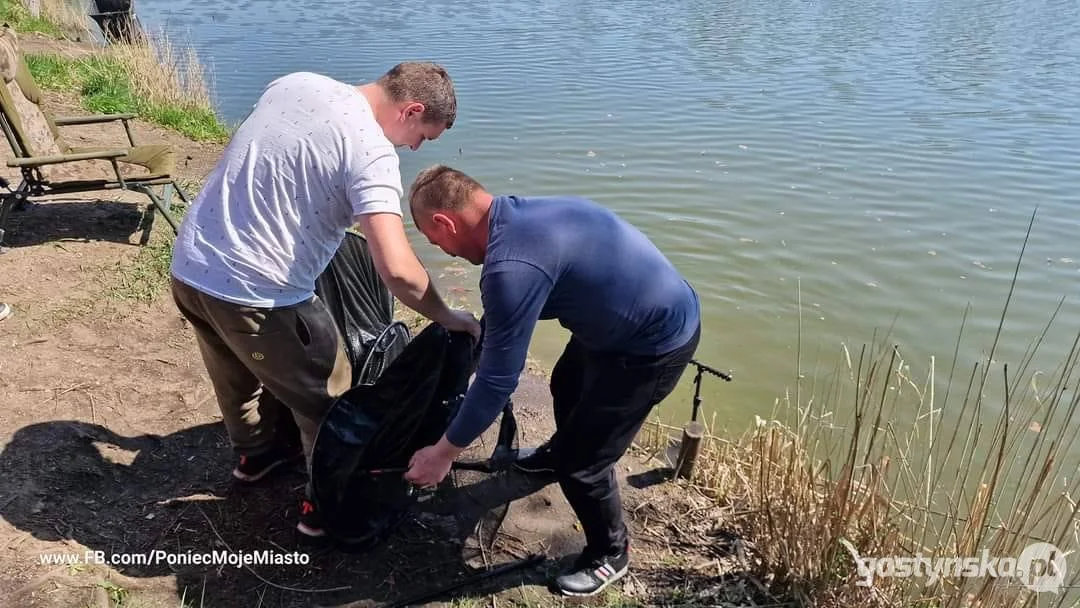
(634, 324)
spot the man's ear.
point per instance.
(414, 108)
(445, 222)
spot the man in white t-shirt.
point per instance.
(315, 157)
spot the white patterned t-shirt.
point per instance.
(307, 160)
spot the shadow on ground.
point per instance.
(78, 219)
(173, 494)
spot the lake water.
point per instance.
(871, 164)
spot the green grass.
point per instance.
(52, 72)
(117, 594)
(147, 276)
(104, 87)
(18, 17)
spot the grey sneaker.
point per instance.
(591, 575)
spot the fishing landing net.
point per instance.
(405, 392)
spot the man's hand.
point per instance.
(462, 320)
(405, 276)
(429, 466)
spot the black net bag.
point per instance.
(365, 442)
(363, 309)
(380, 352)
(405, 392)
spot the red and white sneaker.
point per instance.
(254, 468)
(310, 523)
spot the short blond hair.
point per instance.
(426, 83)
(441, 188)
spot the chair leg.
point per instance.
(8, 203)
(166, 195)
(161, 207)
(12, 201)
(183, 195)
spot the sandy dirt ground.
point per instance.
(111, 442)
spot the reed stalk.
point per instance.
(965, 464)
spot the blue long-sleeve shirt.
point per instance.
(570, 259)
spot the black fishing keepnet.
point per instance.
(363, 309)
(403, 398)
(377, 427)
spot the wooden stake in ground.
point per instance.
(689, 449)
(694, 431)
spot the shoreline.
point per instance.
(94, 341)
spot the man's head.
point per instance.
(451, 210)
(419, 103)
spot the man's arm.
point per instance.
(514, 294)
(374, 191)
(399, 268)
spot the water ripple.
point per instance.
(882, 159)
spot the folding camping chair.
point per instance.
(35, 140)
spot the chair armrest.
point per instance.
(37, 161)
(89, 120)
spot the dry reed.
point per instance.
(159, 72)
(162, 74)
(909, 474)
(147, 75)
(71, 17)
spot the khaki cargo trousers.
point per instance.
(265, 364)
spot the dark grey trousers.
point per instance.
(268, 363)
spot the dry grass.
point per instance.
(921, 468)
(70, 16)
(169, 85)
(163, 74)
(152, 79)
(61, 19)
(158, 70)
